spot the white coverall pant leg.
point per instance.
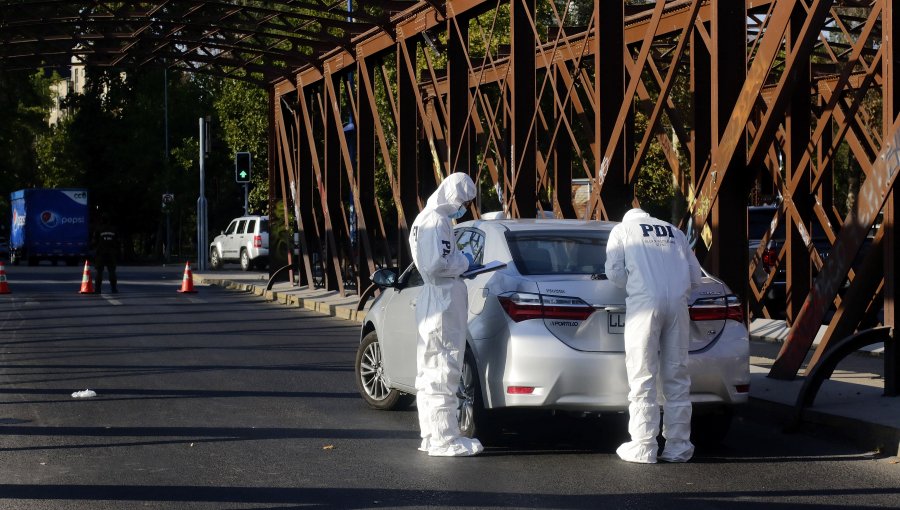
(674, 345)
(440, 348)
(641, 365)
(656, 345)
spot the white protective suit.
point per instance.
(441, 314)
(653, 262)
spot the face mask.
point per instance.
(459, 213)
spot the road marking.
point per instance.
(112, 301)
(196, 300)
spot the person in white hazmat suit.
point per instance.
(441, 315)
(652, 260)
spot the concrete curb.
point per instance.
(342, 309)
(776, 331)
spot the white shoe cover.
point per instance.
(640, 453)
(677, 451)
(424, 446)
(459, 447)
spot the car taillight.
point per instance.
(257, 241)
(523, 306)
(717, 309)
(770, 259)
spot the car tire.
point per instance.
(474, 419)
(370, 377)
(215, 260)
(246, 264)
(710, 428)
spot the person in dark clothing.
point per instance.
(106, 244)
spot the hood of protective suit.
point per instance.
(634, 214)
(453, 192)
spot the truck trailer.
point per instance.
(49, 224)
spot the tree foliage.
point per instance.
(24, 103)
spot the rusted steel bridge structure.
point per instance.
(558, 108)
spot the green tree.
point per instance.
(24, 104)
(242, 110)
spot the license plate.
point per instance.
(616, 322)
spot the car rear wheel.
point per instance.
(370, 380)
(245, 260)
(215, 260)
(473, 418)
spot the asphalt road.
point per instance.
(221, 400)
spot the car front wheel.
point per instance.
(215, 260)
(245, 261)
(370, 378)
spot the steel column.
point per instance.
(365, 174)
(609, 88)
(727, 255)
(890, 30)
(523, 128)
(458, 95)
(407, 142)
(797, 122)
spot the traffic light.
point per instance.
(242, 167)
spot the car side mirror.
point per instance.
(386, 277)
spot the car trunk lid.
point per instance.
(603, 329)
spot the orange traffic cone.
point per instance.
(87, 284)
(4, 287)
(187, 283)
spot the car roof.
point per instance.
(523, 225)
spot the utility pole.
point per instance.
(168, 250)
(201, 202)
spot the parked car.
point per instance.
(545, 333)
(246, 240)
(759, 221)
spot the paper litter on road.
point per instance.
(84, 394)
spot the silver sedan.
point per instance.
(546, 331)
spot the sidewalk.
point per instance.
(849, 406)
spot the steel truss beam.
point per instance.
(562, 107)
(732, 118)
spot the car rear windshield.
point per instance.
(548, 252)
(263, 225)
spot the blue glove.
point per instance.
(471, 259)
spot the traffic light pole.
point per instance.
(201, 203)
(246, 199)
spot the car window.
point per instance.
(241, 225)
(251, 226)
(263, 225)
(540, 252)
(471, 241)
(231, 227)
